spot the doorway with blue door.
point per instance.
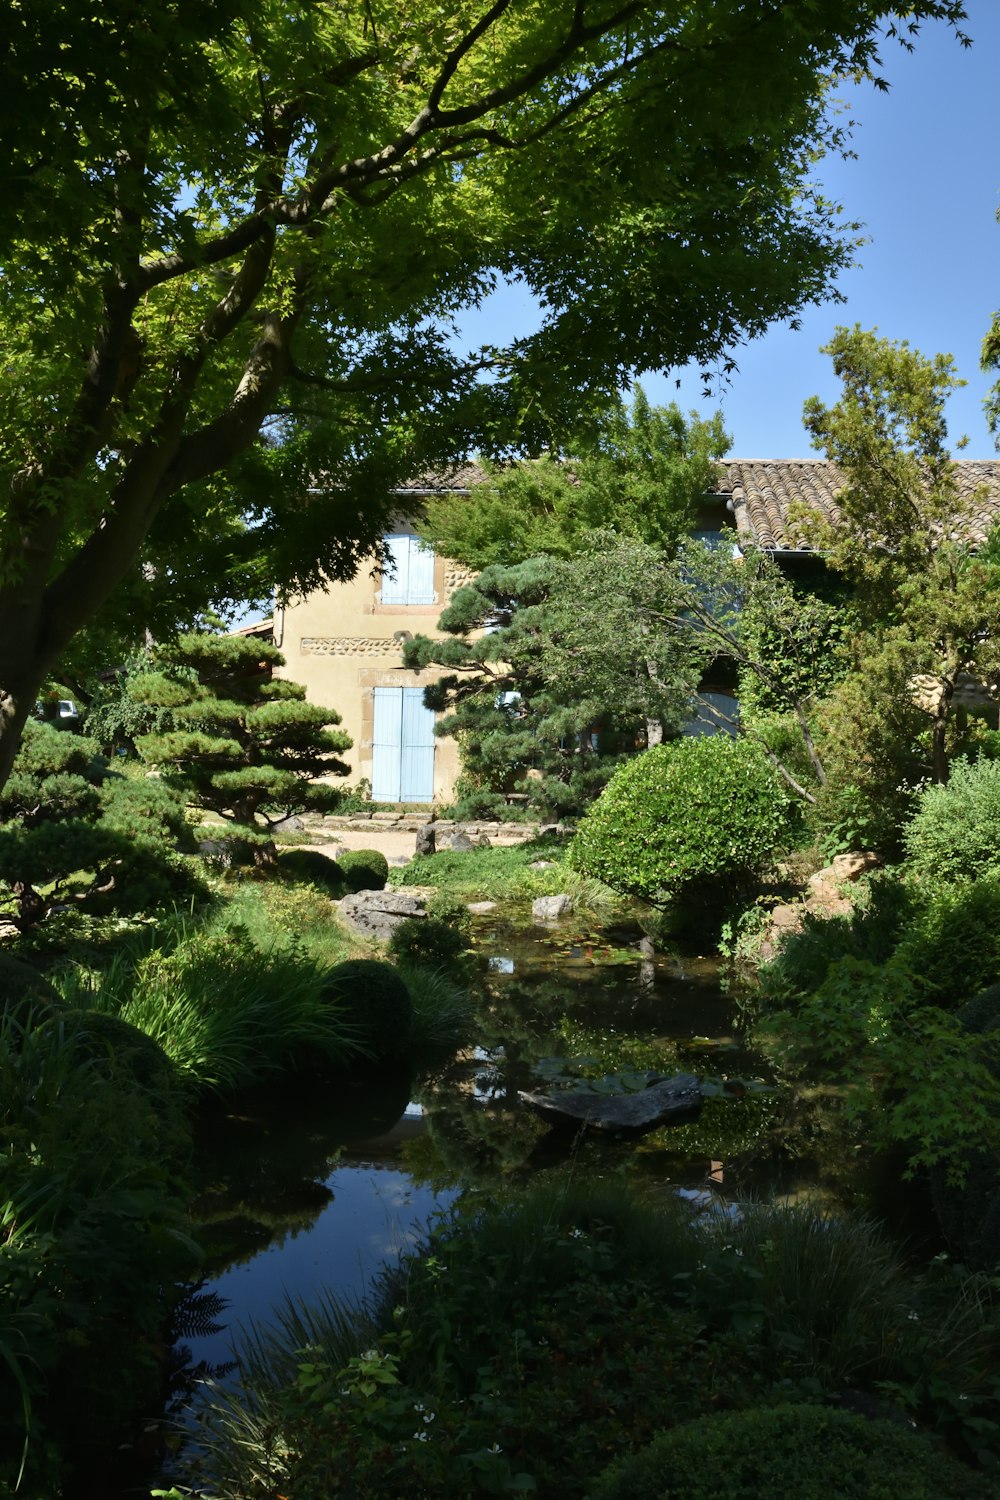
(402, 746)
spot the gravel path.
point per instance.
(396, 845)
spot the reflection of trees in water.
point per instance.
(468, 1140)
(262, 1160)
(782, 1142)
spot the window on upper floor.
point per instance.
(718, 540)
(409, 579)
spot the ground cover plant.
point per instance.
(540, 1336)
(506, 875)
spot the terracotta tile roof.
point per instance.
(763, 492)
(461, 477)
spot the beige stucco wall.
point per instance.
(343, 642)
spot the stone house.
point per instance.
(345, 643)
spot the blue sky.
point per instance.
(926, 186)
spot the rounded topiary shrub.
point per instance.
(121, 1047)
(25, 994)
(954, 833)
(696, 817)
(428, 941)
(375, 1002)
(809, 1452)
(313, 868)
(364, 869)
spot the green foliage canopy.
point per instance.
(639, 472)
(242, 239)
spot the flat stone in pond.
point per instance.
(672, 1100)
(480, 908)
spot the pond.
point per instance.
(310, 1189)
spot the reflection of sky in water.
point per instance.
(375, 1215)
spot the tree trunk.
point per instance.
(18, 695)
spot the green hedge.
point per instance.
(805, 1452)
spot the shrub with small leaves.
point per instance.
(426, 940)
(954, 833)
(697, 817)
(364, 869)
(806, 1451)
(374, 1000)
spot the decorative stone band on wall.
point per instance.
(456, 577)
(348, 645)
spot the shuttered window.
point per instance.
(402, 746)
(410, 579)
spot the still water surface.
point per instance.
(314, 1189)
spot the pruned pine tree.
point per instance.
(74, 835)
(245, 745)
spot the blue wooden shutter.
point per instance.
(386, 744)
(417, 745)
(396, 582)
(421, 574)
(412, 582)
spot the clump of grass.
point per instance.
(444, 1012)
(225, 1011)
(276, 915)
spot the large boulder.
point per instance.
(378, 913)
(426, 840)
(550, 908)
(669, 1100)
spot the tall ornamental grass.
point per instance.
(225, 1012)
